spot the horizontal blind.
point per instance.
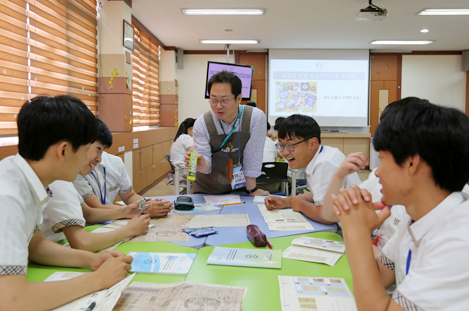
(63, 54)
(145, 58)
(13, 63)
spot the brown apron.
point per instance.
(216, 182)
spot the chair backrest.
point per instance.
(166, 156)
(274, 172)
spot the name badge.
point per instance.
(238, 177)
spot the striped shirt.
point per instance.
(252, 156)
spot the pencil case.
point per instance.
(184, 203)
(256, 236)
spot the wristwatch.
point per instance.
(252, 190)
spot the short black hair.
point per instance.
(439, 135)
(278, 121)
(299, 126)
(268, 126)
(185, 125)
(104, 134)
(225, 76)
(400, 104)
(47, 120)
(252, 104)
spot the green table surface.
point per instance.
(263, 288)
(38, 273)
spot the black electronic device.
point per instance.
(183, 203)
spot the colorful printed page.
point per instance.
(333, 246)
(315, 294)
(162, 263)
(311, 255)
(258, 258)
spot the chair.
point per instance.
(297, 188)
(274, 172)
(176, 171)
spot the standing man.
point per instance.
(229, 140)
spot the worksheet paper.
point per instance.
(171, 220)
(229, 220)
(246, 257)
(284, 219)
(198, 208)
(105, 299)
(327, 245)
(261, 198)
(162, 263)
(315, 294)
(312, 255)
(181, 296)
(162, 234)
(222, 199)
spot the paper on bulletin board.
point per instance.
(254, 95)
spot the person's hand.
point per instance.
(138, 224)
(356, 212)
(274, 202)
(99, 258)
(132, 210)
(365, 195)
(354, 162)
(200, 160)
(113, 270)
(159, 208)
(259, 192)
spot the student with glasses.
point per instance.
(299, 142)
(229, 140)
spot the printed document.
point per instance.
(226, 220)
(259, 258)
(222, 199)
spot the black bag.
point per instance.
(184, 203)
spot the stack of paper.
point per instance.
(315, 250)
(181, 296)
(222, 199)
(284, 219)
(228, 220)
(258, 258)
(313, 294)
(104, 300)
(162, 263)
(198, 208)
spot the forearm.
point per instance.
(366, 279)
(250, 183)
(131, 199)
(45, 252)
(306, 205)
(93, 242)
(18, 294)
(327, 210)
(98, 215)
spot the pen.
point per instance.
(91, 306)
(232, 203)
(268, 244)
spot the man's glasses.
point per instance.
(213, 102)
(290, 147)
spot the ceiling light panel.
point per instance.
(444, 12)
(206, 41)
(223, 11)
(395, 42)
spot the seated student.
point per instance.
(300, 144)
(183, 143)
(64, 215)
(270, 155)
(109, 179)
(427, 256)
(54, 134)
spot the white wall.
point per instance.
(437, 78)
(191, 81)
(168, 65)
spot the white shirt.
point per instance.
(22, 200)
(252, 162)
(270, 151)
(321, 169)
(117, 180)
(438, 276)
(398, 212)
(63, 210)
(179, 149)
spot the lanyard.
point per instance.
(409, 257)
(241, 108)
(103, 198)
(239, 136)
(320, 150)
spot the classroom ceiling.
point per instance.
(305, 24)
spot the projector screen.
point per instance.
(329, 85)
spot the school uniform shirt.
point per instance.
(23, 199)
(63, 210)
(270, 151)
(179, 149)
(106, 188)
(398, 212)
(438, 273)
(321, 169)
